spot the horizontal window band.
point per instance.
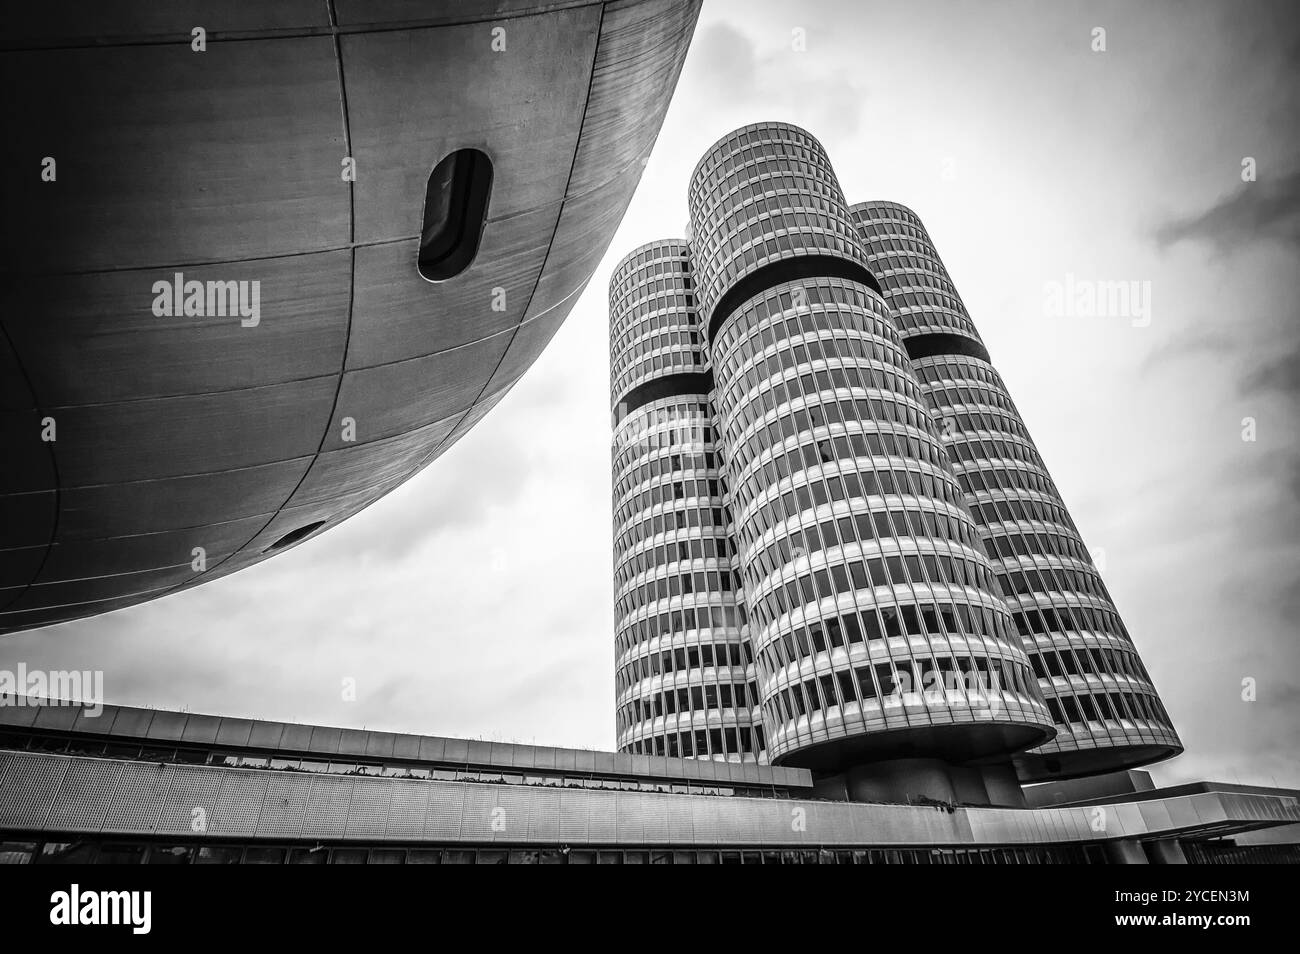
(940, 343)
(788, 270)
(670, 385)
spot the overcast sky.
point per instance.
(476, 600)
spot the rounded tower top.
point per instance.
(655, 344)
(765, 208)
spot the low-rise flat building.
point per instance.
(163, 787)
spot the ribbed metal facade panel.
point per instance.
(446, 808)
(147, 799)
(407, 810)
(284, 812)
(83, 797)
(368, 810)
(328, 805)
(239, 804)
(193, 799)
(141, 791)
(31, 782)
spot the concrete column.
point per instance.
(901, 780)
(1127, 851)
(1002, 786)
(1166, 852)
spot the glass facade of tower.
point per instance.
(1102, 700)
(863, 574)
(811, 443)
(685, 673)
(873, 615)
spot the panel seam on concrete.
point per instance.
(347, 339)
(352, 244)
(54, 466)
(559, 217)
(289, 33)
(352, 280)
(512, 330)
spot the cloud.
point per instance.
(1197, 342)
(1279, 372)
(1265, 210)
(728, 61)
(780, 79)
(457, 490)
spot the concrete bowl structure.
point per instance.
(264, 262)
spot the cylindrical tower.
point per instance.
(873, 614)
(684, 673)
(1105, 707)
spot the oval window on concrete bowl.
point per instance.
(293, 536)
(455, 213)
